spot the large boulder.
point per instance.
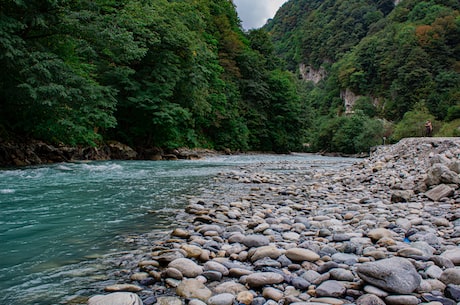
(396, 275)
(120, 151)
(440, 173)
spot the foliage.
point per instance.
(162, 73)
(392, 57)
(450, 129)
(413, 123)
(351, 134)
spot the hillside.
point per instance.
(379, 57)
(160, 75)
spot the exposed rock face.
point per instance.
(308, 73)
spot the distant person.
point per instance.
(428, 128)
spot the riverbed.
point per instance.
(65, 227)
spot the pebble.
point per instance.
(363, 233)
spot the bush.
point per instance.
(413, 124)
(451, 129)
(347, 134)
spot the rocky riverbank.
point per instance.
(385, 230)
(34, 152)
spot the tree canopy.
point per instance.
(172, 73)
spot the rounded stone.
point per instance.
(272, 293)
(301, 254)
(450, 276)
(395, 274)
(453, 255)
(369, 299)
(221, 299)
(187, 267)
(116, 298)
(401, 300)
(255, 240)
(192, 288)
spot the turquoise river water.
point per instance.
(59, 223)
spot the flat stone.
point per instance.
(116, 298)
(329, 301)
(330, 288)
(301, 254)
(123, 287)
(255, 240)
(260, 279)
(401, 300)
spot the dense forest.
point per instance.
(183, 73)
(385, 67)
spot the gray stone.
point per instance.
(255, 240)
(395, 274)
(453, 255)
(116, 298)
(439, 192)
(259, 279)
(340, 274)
(265, 251)
(369, 299)
(187, 267)
(330, 288)
(434, 272)
(401, 300)
(221, 299)
(401, 195)
(165, 300)
(215, 266)
(349, 259)
(440, 173)
(123, 287)
(450, 276)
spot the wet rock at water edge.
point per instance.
(116, 298)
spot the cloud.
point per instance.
(255, 13)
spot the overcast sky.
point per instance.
(254, 13)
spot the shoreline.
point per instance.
(316, 237)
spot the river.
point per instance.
(61, 225)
